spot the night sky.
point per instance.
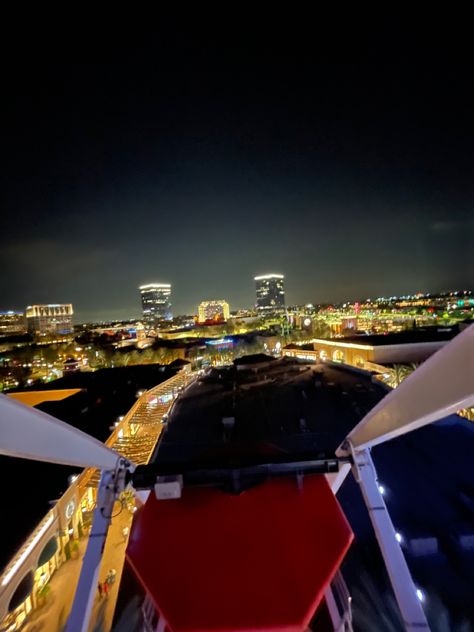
(203, 161)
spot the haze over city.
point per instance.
(204, 165)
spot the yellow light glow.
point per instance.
(27, 550)
(347, 345)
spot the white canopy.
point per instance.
(439, 387)
(29, 433)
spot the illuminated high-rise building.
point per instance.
(156, 301)
(53, 320)
(213, 310)
(270, 291)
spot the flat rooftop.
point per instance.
(426, 474)
(410, 336)
(33, 398)
(286, 411)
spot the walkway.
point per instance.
(146, 416)
(113, 558)
(52, 617)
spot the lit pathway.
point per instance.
(53, 615)
(114, 556)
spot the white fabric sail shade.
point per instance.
(29, 433)
(441, 386)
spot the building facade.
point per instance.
(12, 323)
(270, 291)
(53, 542)
(53, 320)
(156, 301)
(367, 355)
(213, 310)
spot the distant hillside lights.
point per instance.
(217, 311)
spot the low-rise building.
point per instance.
(52, 320)
(363, 351)
(12, 323)
(217, 311)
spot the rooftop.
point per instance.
(286, 411)
(303, 411)
(411, 336)
(256, 358)
(269, 276)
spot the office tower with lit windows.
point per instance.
(213, 310)
(49, 320)
(156, 301)
(270, 291)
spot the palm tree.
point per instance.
(321, 329)
(399, 373)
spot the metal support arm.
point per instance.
(413, 616)
(110, 486)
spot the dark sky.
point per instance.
(205, 160)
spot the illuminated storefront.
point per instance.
(25, 582)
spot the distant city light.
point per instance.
(269, 276)
(220, 342)
(152, 285)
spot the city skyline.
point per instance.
(136, 312)
(208, 163)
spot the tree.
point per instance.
(321, 329)
(399, 373)
(101, 358)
